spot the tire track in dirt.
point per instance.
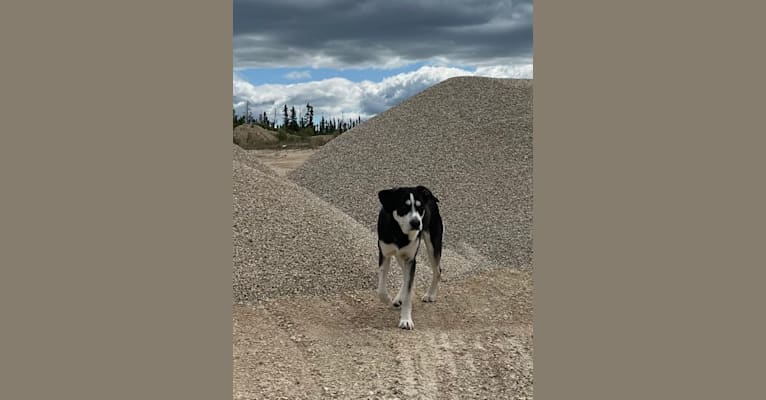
(431, 364)
(421, 367)
(410, 377)
(468, 371)
(347, 346)
(430, 371)
(448, 370)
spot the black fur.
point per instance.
(393, 199)
(412, 273)
(391, 234)
(388, 230)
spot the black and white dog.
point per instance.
(408, 214)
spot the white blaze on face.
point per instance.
(404, 220)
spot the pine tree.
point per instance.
(310, 114)
(263, 120)
(293, 121)
(286, 120)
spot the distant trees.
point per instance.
(310, 118)
(293, 123)
(262, 120)
(238, 120)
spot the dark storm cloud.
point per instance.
(347, 33)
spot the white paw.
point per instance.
(429, 297)
(406, 324)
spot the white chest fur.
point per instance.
(408, 251)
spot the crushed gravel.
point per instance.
(474, 343)
(249, 136)
(468, 139)
(287, 241)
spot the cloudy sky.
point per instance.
(361, 57)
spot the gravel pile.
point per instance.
(287, 241)
(468, 139)
(250, 136)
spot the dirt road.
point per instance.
(283, 161)
(475, 342)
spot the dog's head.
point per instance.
(408, 206)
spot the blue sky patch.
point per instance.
(283, 76)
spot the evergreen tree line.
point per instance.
(304, 124)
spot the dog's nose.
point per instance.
(415, 224)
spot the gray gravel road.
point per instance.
(475, 342)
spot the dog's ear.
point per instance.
(388, 199)
(426, 193)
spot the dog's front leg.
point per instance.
(405, 294)
(404, 264)
(436, 270)
(384, 264)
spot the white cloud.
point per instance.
(338, 96)
(506, 71)
(296, 75)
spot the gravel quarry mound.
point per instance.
(469, 140)
(289, 242)
(250, 136)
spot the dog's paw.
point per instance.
(396, 303)
(428, 298)
(406, 324)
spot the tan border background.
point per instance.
(649, 199)
(116, 200)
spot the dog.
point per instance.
(407, 215)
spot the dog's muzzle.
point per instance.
(415, 224)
